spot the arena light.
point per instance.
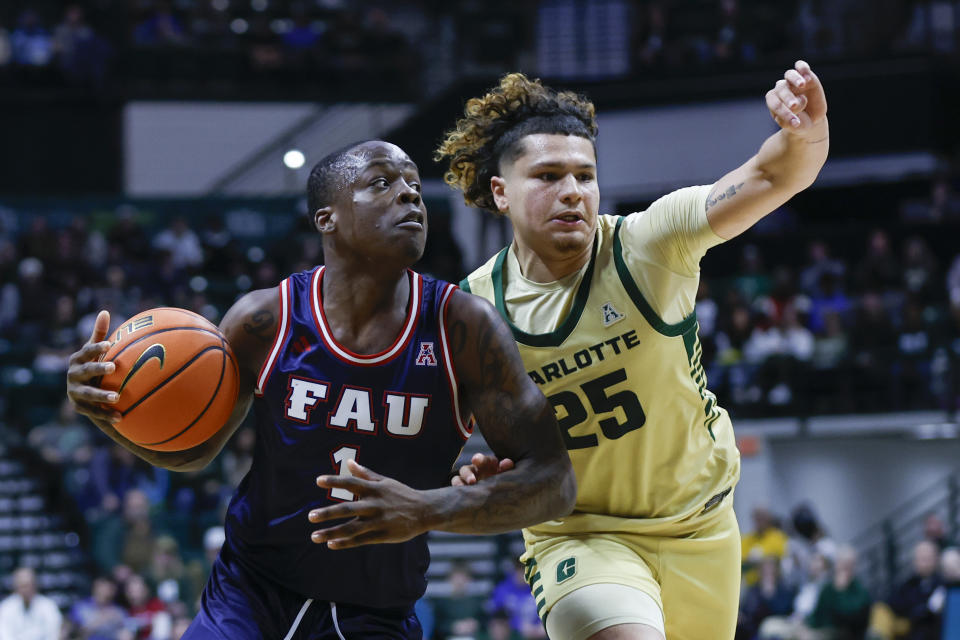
(294, 159)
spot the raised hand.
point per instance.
(797, 102)
(84, 368)
(385, 510)
(481, 467)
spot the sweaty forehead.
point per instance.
(554, 150)
(371, 154)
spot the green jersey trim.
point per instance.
(554, 338)
(711, 412)
(465, 285)
(669, 330)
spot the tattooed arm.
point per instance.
(516, 421)
(245, 326)
(249, 326)
(788, 161)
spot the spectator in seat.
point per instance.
(831, 348)
(935, 531)
(878, 269)
(911, 599)
(767, 539)
(460, 613)
(168, 574)
(843, 608)
(785, 365)
(770, 597)
(921, 278)
(31, 42)
(64, 439)
(80, 54)
(499, 627)
(302, 39)
(818, 574)
(129, 538)
(819, 263)
(99, 617)
(735, 332)
(753, 281)
(809, 540)
(182, 243)
(873, 347)
(911, 370)
(160, 28)
(828, 298)
(26, 614)
(147, 615)
(512, 597)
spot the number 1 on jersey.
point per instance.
(340, 457)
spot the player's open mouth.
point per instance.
(568, 219)
(413, 220)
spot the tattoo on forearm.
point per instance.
(492, 360)
(260, 325)
(515, 500)
(715, 197)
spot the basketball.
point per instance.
(176, 376)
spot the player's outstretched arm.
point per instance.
(244, 326)
(788, 161)
(517, 422)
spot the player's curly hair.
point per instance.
(494, 124)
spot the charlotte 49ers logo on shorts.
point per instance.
(566, 569)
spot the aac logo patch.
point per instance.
(566, 569)
(610, 314)
(426, 358)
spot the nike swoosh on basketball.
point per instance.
(157, 351)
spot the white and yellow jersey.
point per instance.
(614, 348)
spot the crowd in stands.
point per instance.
(881, 332)
(866, 322)
(99, 43)
(804, 586)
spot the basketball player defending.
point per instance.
(355, 366)
(602, 308)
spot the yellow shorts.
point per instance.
(694, 578)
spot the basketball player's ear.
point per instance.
(498, 188)
(325, 220)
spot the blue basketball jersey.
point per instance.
(318, 405)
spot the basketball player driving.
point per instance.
(358, 365)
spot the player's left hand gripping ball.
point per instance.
(797, 102)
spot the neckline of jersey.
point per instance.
(342, 352)
(556, 337)
(512, 264)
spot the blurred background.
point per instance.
(156, 153)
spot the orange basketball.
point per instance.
(177, 379)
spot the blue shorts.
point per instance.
(239, 605)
